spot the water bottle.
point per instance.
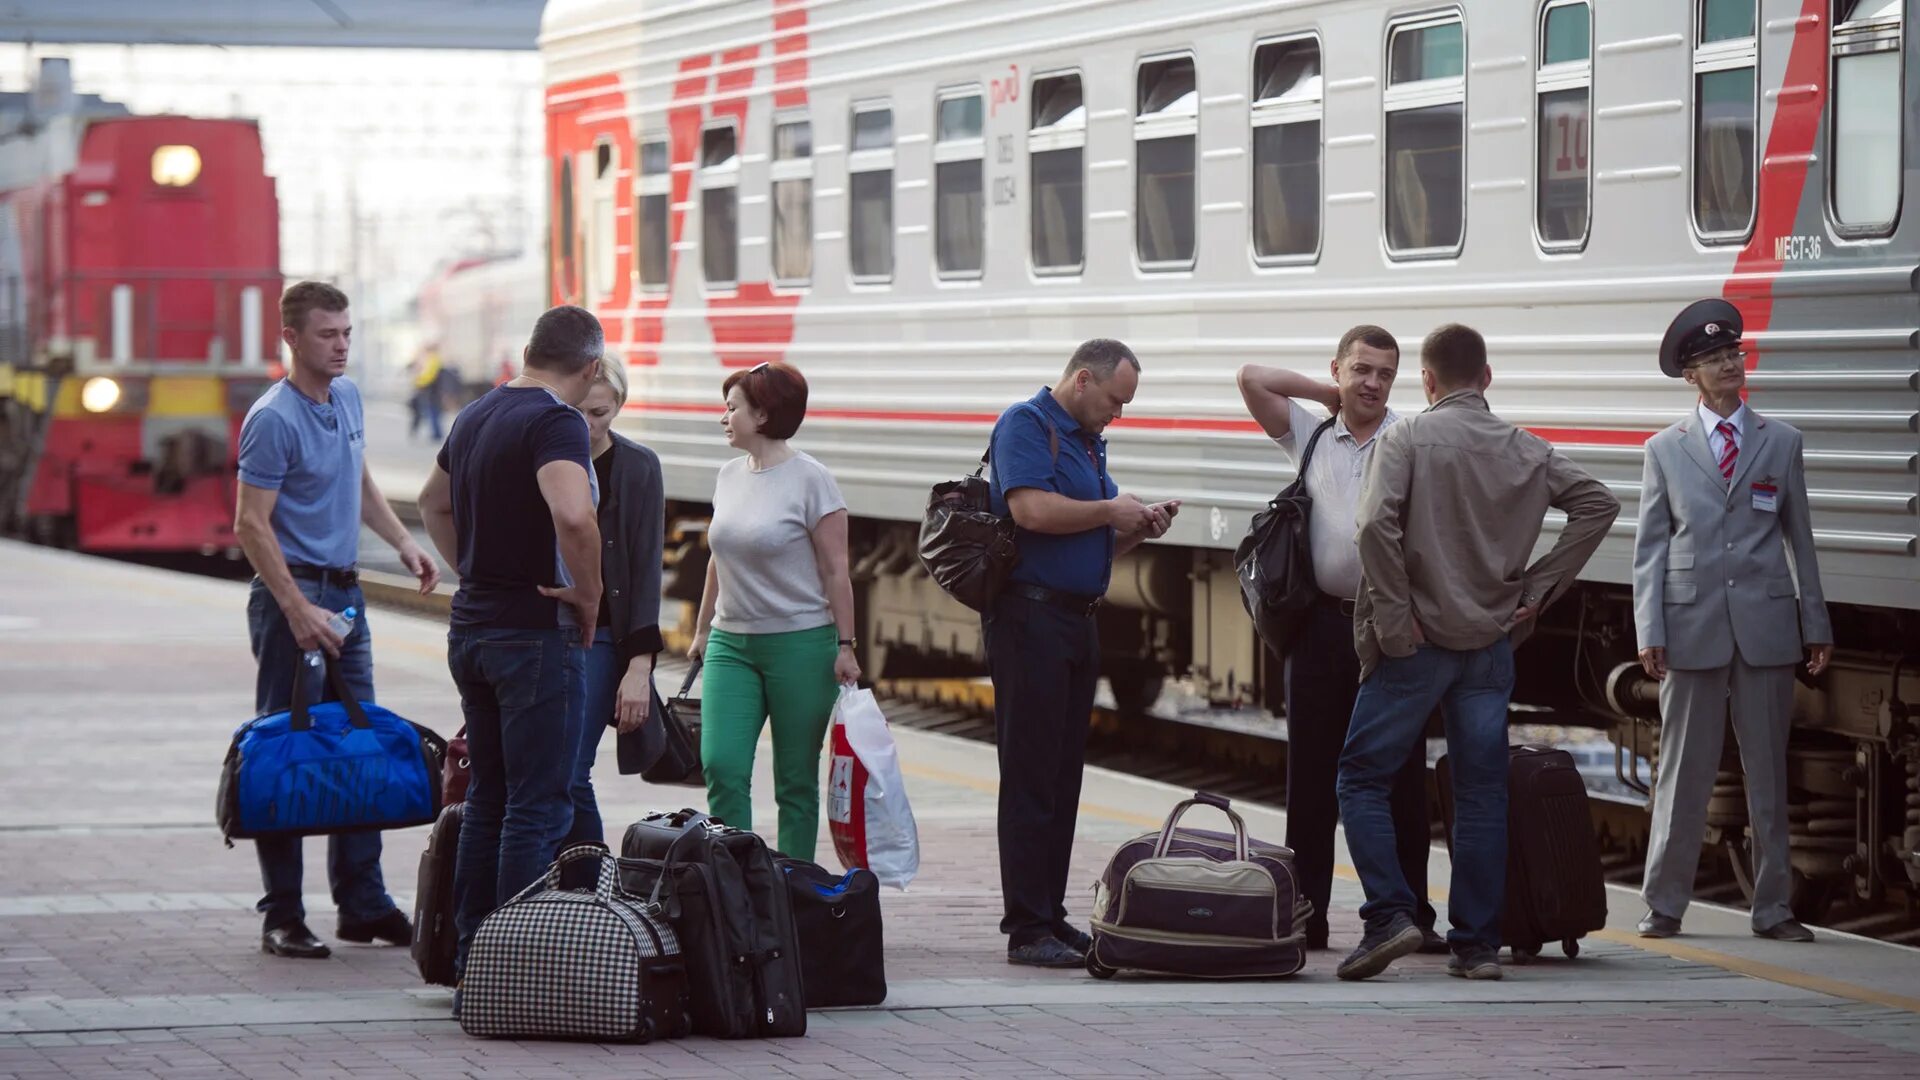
(341, 623)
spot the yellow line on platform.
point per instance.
(1756, 969)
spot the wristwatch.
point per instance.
(849, 643)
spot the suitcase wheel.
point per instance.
(1099, 970)
(1570, 946)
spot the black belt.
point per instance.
(1335, 603)
(345, 578)
(1066, 601)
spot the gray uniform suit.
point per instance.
(1714, 583)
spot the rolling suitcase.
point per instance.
(837, 918)
(434, 938)
(1197, 903)
(556, 963)
(738, 918)
(1555, 889)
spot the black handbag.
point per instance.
(1275, 559)
(670, 754)
(837, 918)
(967, 548)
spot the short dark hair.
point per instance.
(1456, 354)
(1102, 356)
(566, 340)
(302, 298)
(777, 389)
(1367, 334)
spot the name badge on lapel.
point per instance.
(1766, 497)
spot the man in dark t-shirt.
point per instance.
(511, 504)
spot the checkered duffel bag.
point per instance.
(555, 963)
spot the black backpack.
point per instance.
(727, 903)
(1275, 560)
(966, 547)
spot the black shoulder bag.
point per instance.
(1275, 559)
(966, 547)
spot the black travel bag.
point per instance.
(1275, 562)
(666, 749)
(434, 937)
(966, 548)
(722, 893)
(837, 917)
(1555, 888)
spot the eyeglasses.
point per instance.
(1720, 358)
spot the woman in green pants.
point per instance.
(776, 620)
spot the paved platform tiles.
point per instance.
(128, 946)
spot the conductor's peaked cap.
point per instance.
(1704, 326)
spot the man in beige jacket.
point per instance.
(1451, 512)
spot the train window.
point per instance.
(1866, 131)
(1426, 157)
(870, 192)
(1725, 114)
(792, 172)
(563, 202)
(600, 256)
(1563, 102)
(1166, 129)
(720, 205)
(1056, 149)
(1287, 107)
(959, 186)
(652, 191)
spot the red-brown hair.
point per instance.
(777, 389)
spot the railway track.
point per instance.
(1241, 765)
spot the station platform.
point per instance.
(129, 945)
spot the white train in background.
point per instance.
(925, 204)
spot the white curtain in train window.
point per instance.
(720, 205)
(1725, 111)
(564, 270)
(1563, 86)
(600, 232)
(1166, 134)
(1426, 137)
(653, 189)
(792, 172)
(1286, 149)
(959, 187)
(870, 195)
(1056, 160)
(1866, 129)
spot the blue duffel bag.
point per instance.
(338, 766)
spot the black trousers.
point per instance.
(1044, 661)
(1323, 679)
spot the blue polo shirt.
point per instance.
(1022, 457)
(310, 452)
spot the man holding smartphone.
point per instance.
(1049, 464)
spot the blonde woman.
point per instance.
(776, 619)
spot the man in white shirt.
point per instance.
(1722, 615)
(1322, 670)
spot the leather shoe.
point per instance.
(1316, 938)
(1047, 953)
(1656, 925)
(295, 942)
(392, 928)
(1078, 940)
(1785, 930)
(1433, 943)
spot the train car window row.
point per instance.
(653, 189)
(960, 185)
(1426, 137)
(870, 195)
(602, 260)
(1563, 99)
(1726, 111)
(1057, 181)
(1166, 136)
(1866, 174)
(792, 177)
(1288, 108)
(720, 205)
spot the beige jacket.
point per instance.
(1453, 506)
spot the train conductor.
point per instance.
(1726, 592)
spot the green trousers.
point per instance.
(750, 679)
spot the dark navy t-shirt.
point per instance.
(493, 455)
(1022, 456)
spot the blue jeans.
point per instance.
(353, 859)
(520, 691)
(1472, 690)
(603, 672)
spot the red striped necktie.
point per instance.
(1729, 450)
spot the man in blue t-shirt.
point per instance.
(1043, 649)
(304, 493)
(511, 503)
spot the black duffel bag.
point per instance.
(666, 749)
(966, 547)
(837, 917)
(1275, 559)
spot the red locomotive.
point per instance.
(139, 288)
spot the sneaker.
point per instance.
(1078, 940)
(1474, 962)
(1379, 949)
(1047, 953)
(1432, 943)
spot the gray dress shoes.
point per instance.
(1656, 925)
(1785, 930)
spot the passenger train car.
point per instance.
(139, 291)
(926, 204)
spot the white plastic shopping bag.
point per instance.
(867, 811)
